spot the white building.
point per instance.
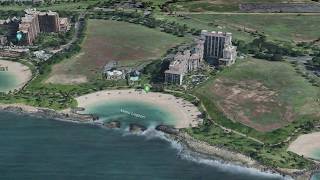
(184, 62)
(114, 75)
(218, 48)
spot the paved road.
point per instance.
(74, 38)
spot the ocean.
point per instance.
(37, 149)
(7, 81)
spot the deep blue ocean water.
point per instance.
(44, 149)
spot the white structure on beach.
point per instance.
(115, 74)
(110, 71)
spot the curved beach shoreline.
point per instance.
(306, 145)
(186, 140)
(21, 72)
(185, 113)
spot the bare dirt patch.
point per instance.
(252, 104)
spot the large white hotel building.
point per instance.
(214, 47)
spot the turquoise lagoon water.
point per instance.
(132, 112)
(316, 154)
(316, 177)
(7, 81)
(37, 149)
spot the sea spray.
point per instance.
(184, 153)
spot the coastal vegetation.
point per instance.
(260, 99)
(71, 5)
(263, 105)
(216, 6)
(289, 28)
(272, 95)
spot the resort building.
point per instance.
(49, 21)
(35, 22)
(215, 47)
(10, 26)
(218, 48)
(29, 26)
(184, 62)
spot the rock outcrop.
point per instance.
(167, 129)
(113, 124)
(136, 128)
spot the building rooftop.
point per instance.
(215, 33)
(63, 20)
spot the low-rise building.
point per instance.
(42, 55)
(114, 75)
(110, 71)
(3, 40)
(64, 24)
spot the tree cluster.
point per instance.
(261, 48)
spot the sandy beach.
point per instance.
(22, 73)
(306, 144)
(185, 113)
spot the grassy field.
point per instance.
(260, 94)
(127, 43)
(70, 6)
(222, 5)
(283, 27)
(287, 28)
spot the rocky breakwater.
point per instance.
(215, 152)
(47, 113)
(167, 129)
(113, 124)
(136, 128)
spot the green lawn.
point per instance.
(263, 95)
(287, 28)
(63, 6)
(221, 5)
(283, 27)
(130, 44)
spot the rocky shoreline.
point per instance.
(48, 113)
(228, 156)
(184, 138)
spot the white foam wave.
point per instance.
(186, 154)
(183, 153)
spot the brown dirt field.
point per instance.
(252, 104)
